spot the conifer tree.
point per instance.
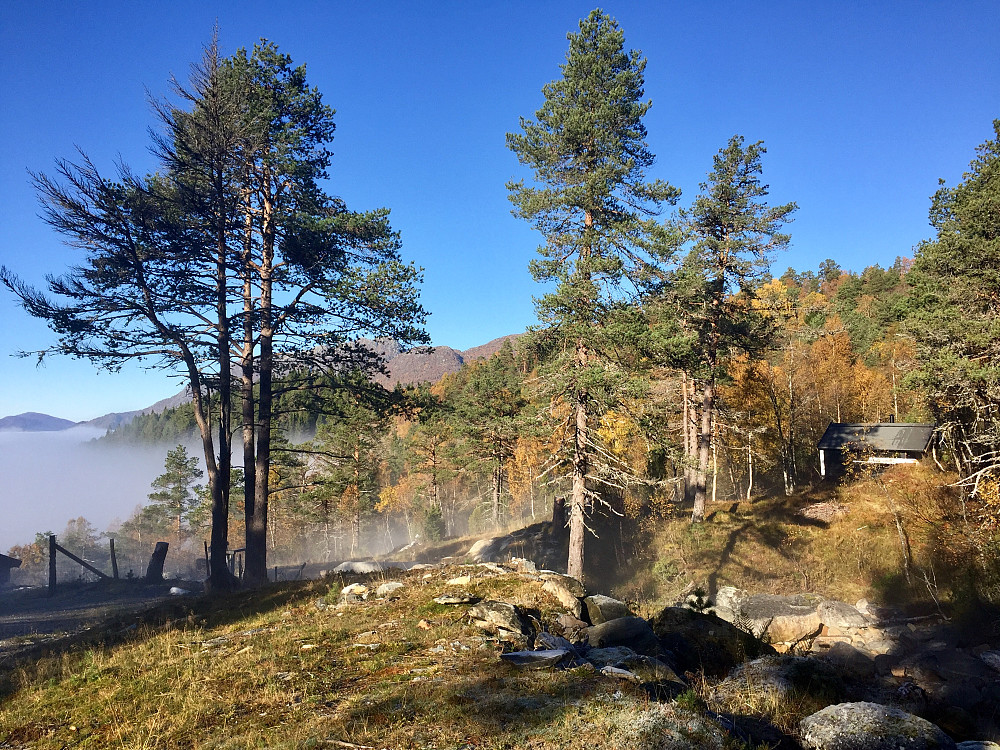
(595, 207)
(175, 493)
(735, 234)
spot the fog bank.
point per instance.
(47, 478)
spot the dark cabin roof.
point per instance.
(880, 436)
(9, 562)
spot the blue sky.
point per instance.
(862, 106)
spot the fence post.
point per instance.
(114, 560)
(52, 565)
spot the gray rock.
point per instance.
(573, 628)
(850, 660)
(651, 669)
(841, 615)
(566, 597)
(978, 745)
(622, 674)
(991, 658)
(705, 642)
(602, 657)
(523, 565)
(501, 618)
(633, 632)
(602, 608)
(488, 550)
(870, 726)
(666, 726)
(568, 582)
(549, 641)
(783, 619)
(538, 659)
(729, 602)
(781, 677)
(386, 589)
(456, 599)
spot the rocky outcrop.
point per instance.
(870, 726)
(705, 642)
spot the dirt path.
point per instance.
(29, 617)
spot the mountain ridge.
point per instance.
(420, 365)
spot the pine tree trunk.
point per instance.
(704, 453)
(578, 498)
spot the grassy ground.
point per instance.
(283, 667)
(273, 669)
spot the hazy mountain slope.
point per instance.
(32, 421)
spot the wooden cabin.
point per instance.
(878, 443)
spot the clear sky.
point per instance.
(862, 106)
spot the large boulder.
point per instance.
(783, 619)
(558, 587)
(667, 726)
(502, 619)
(870, 726)
(781, 679)
(601, 608)
(705, 642)
(840, 615)
(632, 632)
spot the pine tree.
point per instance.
(735, 234)
(175, 494)
(594, 206)
(954, 316)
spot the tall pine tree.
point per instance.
(592, 202)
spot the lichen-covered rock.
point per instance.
(387, 589)
(729, 602)
(666, 726)
(538, 659)
(633, 632)
(870, 726)
(502, 619)
(701, 641)
(602, 657)
(358, 566)
(566, 597)
(841, 615)
(602, 608)
(784, 619)
(781, 677)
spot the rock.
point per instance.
(457, 598)
(622, 674)
(549, 641)
(854, 663)
(991, 658)
(537, 659)
(786, 619)
(729, 602)
(358, 566)
(869, 726)
(631, 631)
(388, 588)
(488, 550)
(651, 669)
(783, 678)
(460, 581)
(667, 726)
(354, 592)
(841, 615)
(573, 628)
(178, 591)
(705, 642)
(501, 618)
(564, 595)
(978, 745)
(523, 565)
(602, 657)
(602, 608)
(569, 583)
(425, 625)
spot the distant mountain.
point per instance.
(429, 365)
(118, 418)
(32, 421)
(423, 365)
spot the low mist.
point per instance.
(48, 478)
